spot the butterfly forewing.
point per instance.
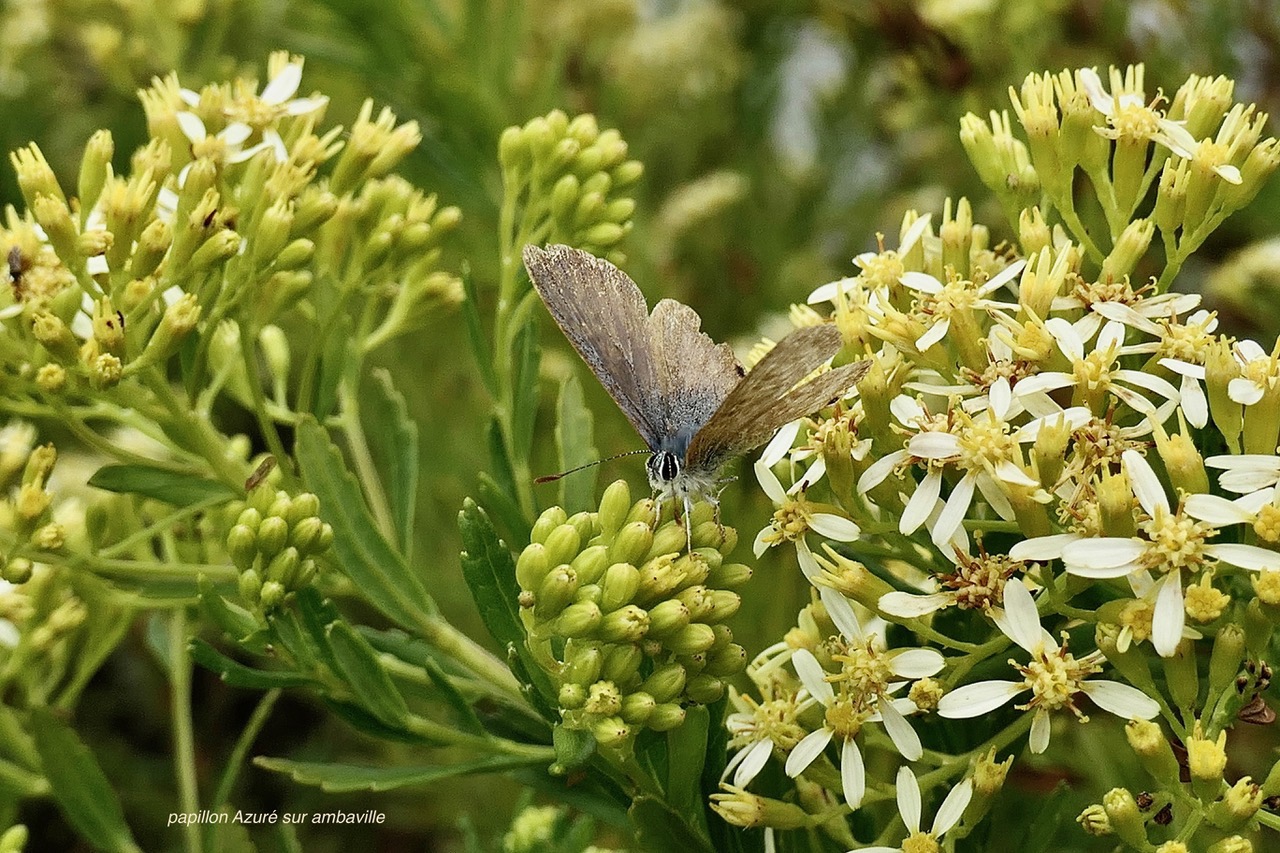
(695, 373)
(768, 397)
(603, 314)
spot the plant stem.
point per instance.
(367, 472)
(183, 739)
(236, 759)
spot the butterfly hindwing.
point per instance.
(695, 373)
(603, 314)
(768, 397)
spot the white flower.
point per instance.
(956, 295)
(1171, 541)
(1260, 372)
(1246, 472)
(909, 806)
(756, 729)
(795, 516)
(977, 584)
(1053, 674)
(832, 291)
(861, 694)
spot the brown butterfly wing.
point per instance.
(768, 397)
(695, 373)
(603, 314)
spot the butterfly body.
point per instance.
(686, 395)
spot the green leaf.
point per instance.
(475, 331)
(296, 640)
(339, 353)
(80, 787)
(419, 653)
(239, 675)
(174, 487)
(503, 507)
(574, 747)
(393, 437)
(575, 441)
(490, 572)
(342, 778)
(660, 829)
(686, 756)
(378, 571)
(524, 403)
(499, 462)
(371, 685)
(232, 619)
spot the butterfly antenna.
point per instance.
(551, 478)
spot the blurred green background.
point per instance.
(778, 136)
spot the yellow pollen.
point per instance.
(1186, 343)
(776, 720)
(845, 716)
(1176, 541)
(1203, 603)
(864, 672)
(1267, 524)
(920, 842)
(979, 582)
(1135, 122)
(1266, 585)
(1054, 676)
(986, 441)
(883, 270)
(1135, 617)
(790, 521)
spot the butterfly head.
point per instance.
(664, 469)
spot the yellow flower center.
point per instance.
(1134, 121)
(775, 719)
(1203, 602)
(1176, 541)
(883, 270)
(790, 521)
(985, 441)
(920, 842)
(1267, 524)
(864, 672)
(1093, 372)
(1266, 585)
(979, 581)
(845, 716)
(1186, 343)
(1054, 676)
(1135, 617)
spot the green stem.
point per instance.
(266, 425)
(183, 739)
(196, 434)
(367, 472)
(486, 667)
(152, 530)
(247, 736)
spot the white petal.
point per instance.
(1040, 727)
(812, 475)
(283, 86)
(808, 565)
(806, 751)
(936, 332)
(981, 697)
(1074, 418)
(922, 502)
(1043, 547)
(880, 470)
(778, 446)
(908, 790)
(918, 226)
(994, 494)
(934, 445)
(1193, 402)
(904, 605)
(1249, 350)
(761, 543)
(191, 126)
(1145, 483)
(1126, 702)
(1217, 511)
(1148, 381)
(1050, 380)
(812, 676)
(1023, 621)
(1001, 396)
(756, 757)
(1122, 313)
(834, 527)
(769, 483)
(235, 133)
(829, 291)
(1003, 277)
(1245, 556)
(1011, 472)
(952, 808)
(906, 409)
(853, 775)
(1228, 173)
(1182, 368)
(952, 515)
(305, 106)
(1169, 617)
(904, 737)
(1244, 391)
(841, 613)
(916, 663)
(921, 281)
(1067, 338)
(1102, 553)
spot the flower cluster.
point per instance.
(629, 628)
(274, 542)
(1028, 472)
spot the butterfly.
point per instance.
(686, 395)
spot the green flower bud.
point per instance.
(1237, 806)
(626, 174)
(1228, 654)
(562, 544)
(17, 570)
(1094, 821)
(590, 208)
(729, 576)
(273, 534)
(726, 661)
(1207, 761)
(582, 663)
(631, 544)
(272, 595)
(697, 599)
(1153, 750)
(658, 579)
(988, 778)
(588, 592)
(1271, 785)
(625, 625)
(1180, 672)
(579, 619)
(636, 708)
(605, 234)
(666, 682)
(615, 503)
(296, 255)
(666, 717)
(1125, 818)
(571, 696)
(250, 585)
(532, 566)
(1231, 844)
(646, 510)
(305, 534)
(1257, 629)
(513, 150)
(610, 732)
(54, 335)
(691, 639)
(603, 699)
(555, 592)
(283, 565)
(548, 521)
(723, 604)
(242, 546)
(214, 251)
(704, 689)
(301, 507)
(670, 538)
(667, 617)
(591, 563)
(586, 525)
(622, 663)
(620, 583)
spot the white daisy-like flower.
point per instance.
(1053, 675)
(1095, 374)
(1260, 372)
(277, 99)
(861, 692)
(757, 729)
(909, 806)
(1128, 115)
(1246, 472)
(832, 291)
(1169, 542)
(976, 584)
(794, 517)
(943, 300)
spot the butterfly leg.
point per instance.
(688, 522)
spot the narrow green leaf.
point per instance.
(660, 829)
(393, 437)
(359, 718)
(524, 403)
(342, 778)
(499, 462)
(174, 487)
(686, 756)
(295, 639)
(239, 675)
(490, 572)
(81, 789)
(369, 682)
(418, 653)
(575, 441)
(475, 332)
(339, 353)
(503, 507)
(377, 569)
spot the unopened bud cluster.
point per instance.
(274, 542)
(570, 176)
(27, 510)
(641, 624)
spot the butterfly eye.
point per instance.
(663, 467)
